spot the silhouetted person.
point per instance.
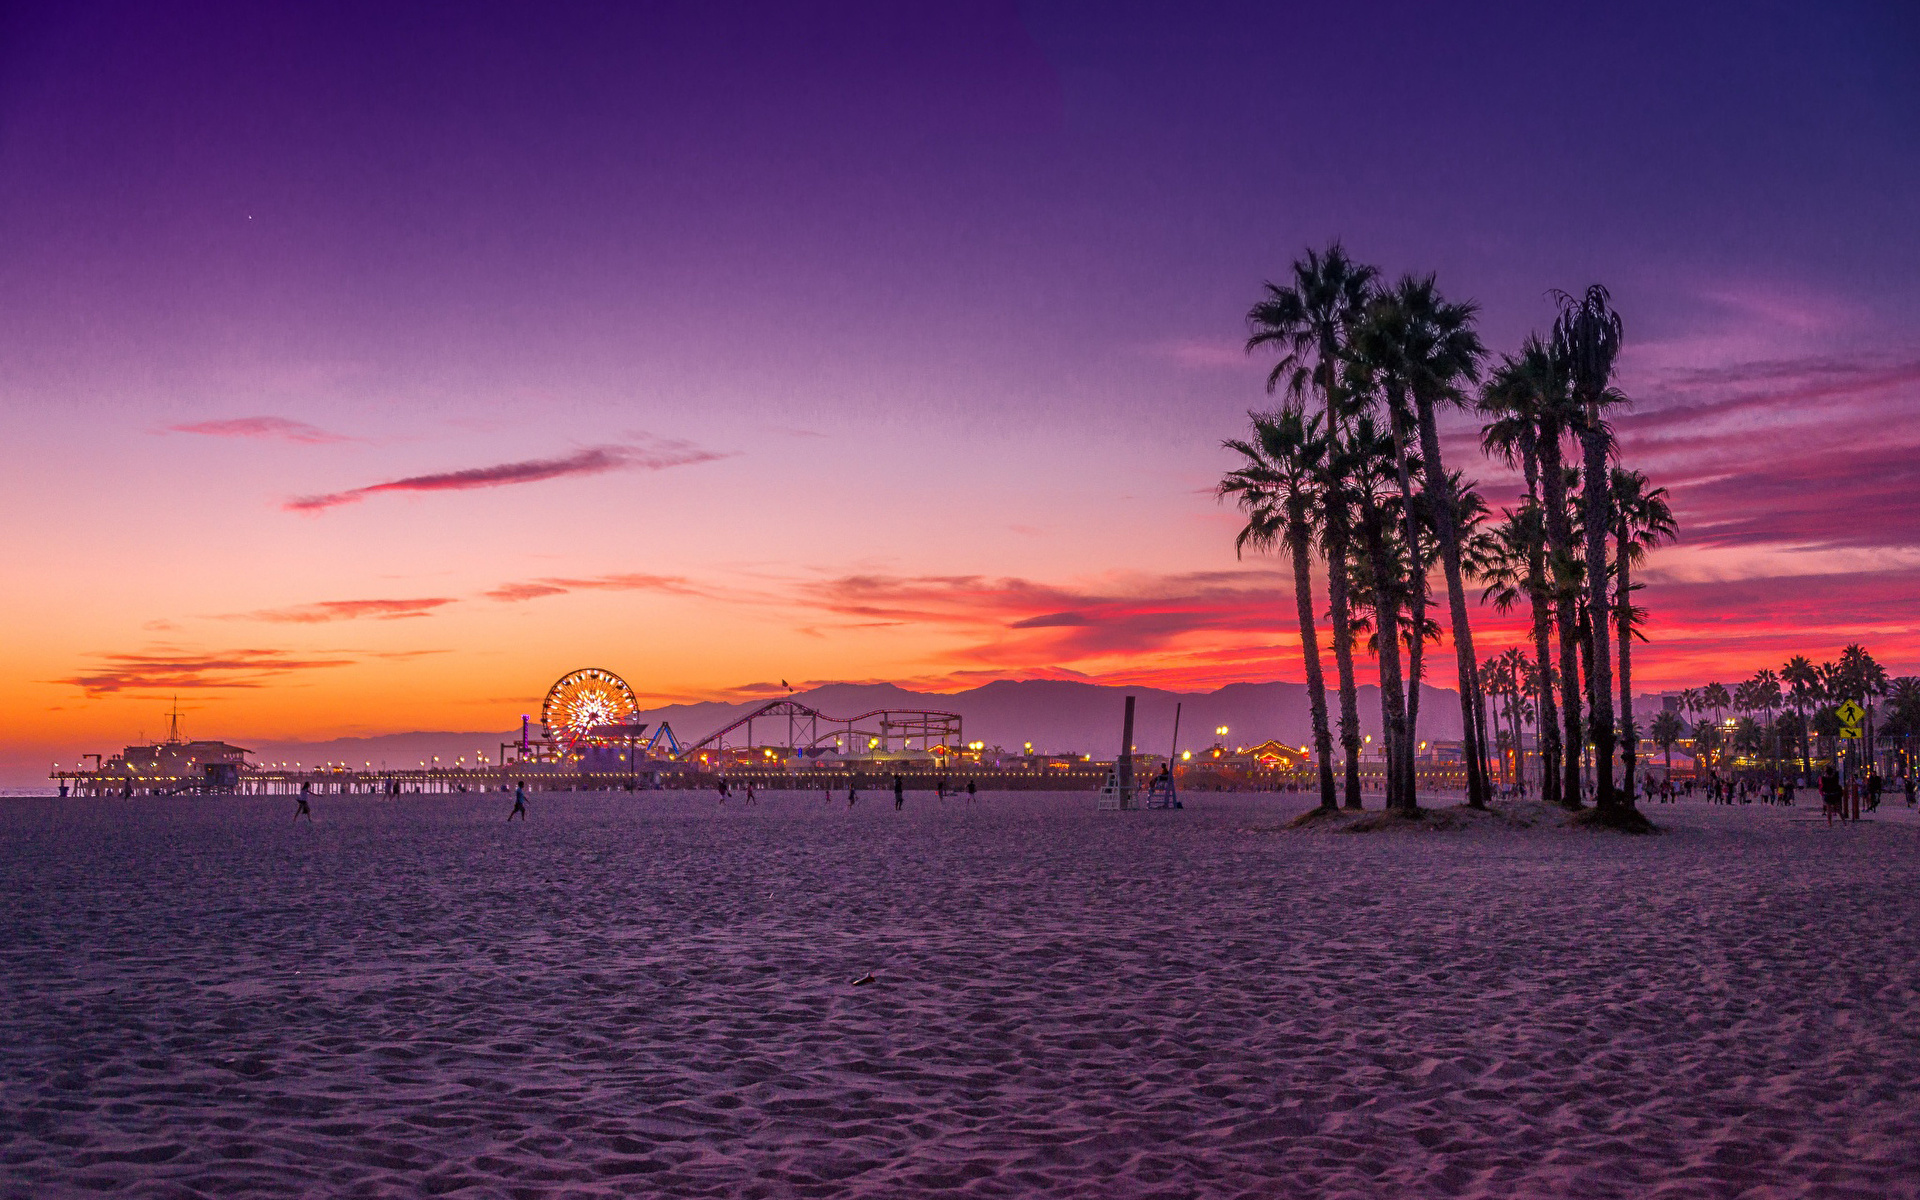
(899, 793)
(721, 787)
(971, 789)
(1831, 796)
(303, 809)
(853, 793)
(749, 792)
(519, 802)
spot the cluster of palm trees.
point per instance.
(1347, 473)
(1793, 713)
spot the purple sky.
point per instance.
(756, 271)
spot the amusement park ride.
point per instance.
(588, 720)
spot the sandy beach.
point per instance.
(651, 995)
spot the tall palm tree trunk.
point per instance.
(1629, 739)
(1546, 719)
(1583, 640)
(1806, 752)
(1594, 489)
(1446, 523)
(1393, 703)
(1417, 598)
(1300, 540)
(1514, 717)
(1492, 728)
(1560, 543)
(1339, 546)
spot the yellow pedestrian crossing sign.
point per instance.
(1850, 715)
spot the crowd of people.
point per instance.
(1840, 799)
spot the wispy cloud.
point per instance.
(594, 460)
(1814, 452)
(345, 610)
(1024, 621)
(179, 670)
(280, 428)
(535, 588)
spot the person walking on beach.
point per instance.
(971, 789)
(1830, 795)
(519, 801)
(899, 793)
(721, 787)
(853, 793)
(303, 809)
(749, 793)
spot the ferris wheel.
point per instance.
(583, 700)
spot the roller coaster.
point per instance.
(593, 708)
(880, 731)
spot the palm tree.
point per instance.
(1368, 461)
(1490, 691)
(1279, 489)
(1690, 702)
(1706, 737)
(1714, 699)
(1513, 668)
(1643, 519)
(1834, 686)
(1311, 322)
(1666, 730)
(1903, 715)
(1867, 679)
(1802, 683)
(1532, 406)
(1496, 687)
(1423, 350)
(1763, 697)
(1587, 337)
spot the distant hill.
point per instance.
(1055, 715)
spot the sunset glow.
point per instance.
(900, 350)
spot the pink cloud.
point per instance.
(1020, 620)
(262, 427)
(534, 589)
(182, 671)
(346, 610)
(595, 460)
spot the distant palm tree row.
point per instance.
(1790, 716)
(1347, 474)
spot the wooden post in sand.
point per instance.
(1123, 766)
